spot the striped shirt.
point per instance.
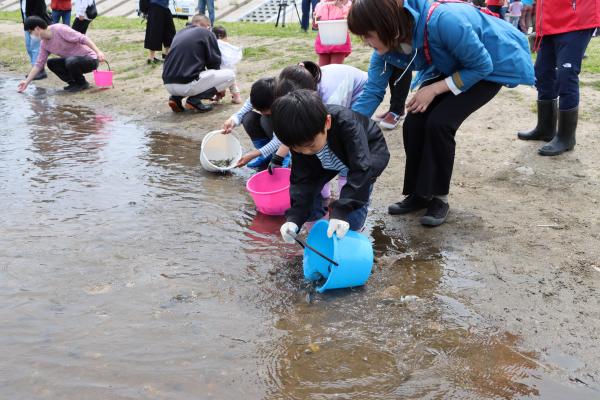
(330, 161)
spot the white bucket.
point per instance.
(217, 147)
(333, 32)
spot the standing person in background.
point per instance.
(563, 31)
(329, 11)
(526, 14)
(61, 9)
(160, 30)
(514, 13)
(81, 22)
(306, 12)
(34, 8)
(202, 4)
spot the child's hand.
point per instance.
(286, 229)
(276, 162)
(246, 158)
(339, 227)
(228, 125)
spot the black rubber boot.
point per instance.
(565, 137)
(547, 114)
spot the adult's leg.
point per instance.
(168, 30)
(201, 6)
(211, 11)
(55, 16)
(154, 30)
(29, 46)
(570, 48)
(57, 65)
(437, 157)
(81, 26)
(324, 59)
(220, 80)
(313, 4)
(305, 14)
(77, 66)
(399, 90)
(66, 17)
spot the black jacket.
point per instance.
(35, 7)
(193, 50)
(359, 144)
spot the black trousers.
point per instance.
(160, 28)
(258, 126)
(429, 138)
(81, 26)
(399, 91)
(71, 69)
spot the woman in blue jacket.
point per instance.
(462, 57)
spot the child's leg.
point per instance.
(337, 58)
(236, 97)
(357, 218)
(324, 59)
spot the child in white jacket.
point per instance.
(230, 56)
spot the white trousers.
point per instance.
(219, 79)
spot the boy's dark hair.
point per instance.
(298, 117)
(219, 32)
(262, 94)
(392, 22)
(34, 22)
(306, 75)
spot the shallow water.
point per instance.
(127, 272)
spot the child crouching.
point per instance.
(324, 142)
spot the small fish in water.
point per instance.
(221, 163)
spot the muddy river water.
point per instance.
(127, 272)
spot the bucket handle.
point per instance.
(106, 61)
(308, 246)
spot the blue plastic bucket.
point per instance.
(354, 255)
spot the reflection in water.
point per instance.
(127, 272)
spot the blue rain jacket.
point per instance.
(464, 43)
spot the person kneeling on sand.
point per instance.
(192, 68)
(77, 54)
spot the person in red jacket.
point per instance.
(61, 9)
(563, 31)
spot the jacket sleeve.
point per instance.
(213, 54)
(457, 37)
(374, 89)
(303, 189)
(355, 192)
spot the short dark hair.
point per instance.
(301, 76)
(392, 22)
(34, 22)
(219, 32)
(262, 94)
(298, 117)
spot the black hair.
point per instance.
(298, 117)
(34, 22)
(305, 75)
(219, 32)
(262, 94)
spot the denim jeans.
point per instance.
(66, 16)
(202, 4)
(558, 65)
(306, 14)
(33, 47)
(356, 218)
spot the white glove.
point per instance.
(339, 227)
(288, 227)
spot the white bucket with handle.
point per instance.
(333, 32)
(219, 152)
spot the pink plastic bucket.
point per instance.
(103, 78)
(271, 193)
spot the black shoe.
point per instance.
(565, 136)
(77, 87)
(154, 60)
(41, 75)
(175, 104)
(206, 95)
(69, 86)
(411, 203)
(197, 105)
(436, 214)
(547, 115)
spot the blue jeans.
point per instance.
(306, 14)
(66, 16)
(356, 218)
(558, 65)
(211, 9)
(33, 48)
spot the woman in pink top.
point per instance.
(328, 11)
(77, 54)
